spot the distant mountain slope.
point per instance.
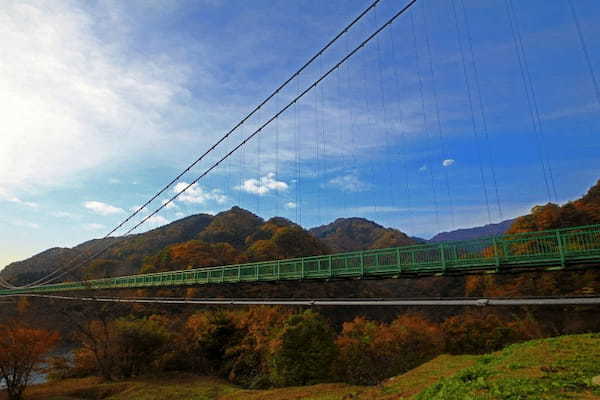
(124, 257)
(232, 236)
(474, 233)
(350, 234)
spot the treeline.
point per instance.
(236, 237)
(263, 347)
(583, 211)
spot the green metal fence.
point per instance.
(555, 248)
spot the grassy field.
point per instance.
(557, 368)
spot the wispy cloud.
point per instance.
(4, 195)
(93, 227)
(26, 224)
(350, 183)
(63, 214)
(87, 101)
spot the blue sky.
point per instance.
(104, 102)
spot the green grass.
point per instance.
(546, 369)
(557, 368)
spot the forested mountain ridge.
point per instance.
(125, 256)
(232, 236)
(237, 236)
(350, 234)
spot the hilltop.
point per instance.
(351, 234)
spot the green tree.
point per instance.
(303, 351)
(205, 343)
(121, 348)
(138, 344)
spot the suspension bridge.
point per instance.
(547, 250)
(569, 248)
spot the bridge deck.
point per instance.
(554, 248)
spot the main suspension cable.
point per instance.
(260, 128)
(218, 142)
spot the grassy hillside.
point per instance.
(557, 368)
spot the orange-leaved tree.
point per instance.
(371, 351)
(23, 349)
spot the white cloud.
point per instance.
(170, 205)
(72, 100)
(447, 163)
(157, 220)
(290, 204)
(93, 227)
(197, 195)
(350, 183)
(263, 185)
(102, 208)
(423, 168)
(114, 180)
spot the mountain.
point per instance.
(124, 256)
(351, 234)
(232, 236)
(474, 233)
(237, 236)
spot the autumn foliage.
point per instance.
(584, 211)
(235, 237)
(261, 347)
(22, 349)
(370, 351)
(477, 333)
(121, 348)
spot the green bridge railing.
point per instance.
(556, 248)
